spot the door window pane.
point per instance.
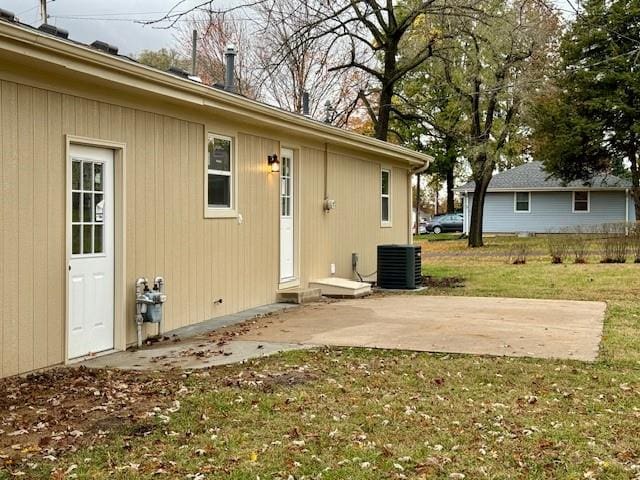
(219, 191)
(87, 175)
(97, 177)
(87, 240)
(75, 175)
(98, 200)
(75, 239)
(75, 207)
(98, 239)
(86, 207)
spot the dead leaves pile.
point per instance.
(45, 415)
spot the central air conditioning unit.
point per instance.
(399, 267)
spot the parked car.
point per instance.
(422, 228)
(451, 222)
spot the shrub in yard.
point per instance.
(615, 243)
(558, 244)
(518, 254)
(580, 244)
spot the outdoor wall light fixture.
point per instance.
(274, 162)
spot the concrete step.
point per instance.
(341, 287)
(299, 295)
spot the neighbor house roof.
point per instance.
(24, 41)
(532, 176)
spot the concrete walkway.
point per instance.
(207, 344)
(493, 326)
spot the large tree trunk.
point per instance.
(477, 207)
(384, 113)
(450, 204)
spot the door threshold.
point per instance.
(89, 356)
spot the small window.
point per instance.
(581, 202)
(385, 197)
(220, 172)
(522, 202)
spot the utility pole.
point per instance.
(43, 11)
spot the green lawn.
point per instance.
(370, 414)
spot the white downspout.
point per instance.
(626, 210)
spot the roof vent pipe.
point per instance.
(305, 103)
(229, 73)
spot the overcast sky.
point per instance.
(109, 21)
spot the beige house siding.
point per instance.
(202, 259)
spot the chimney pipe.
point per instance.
(305, 103)
(194, 50)
(229, 74)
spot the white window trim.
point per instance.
(515, 203)
(573, 202)
(221, 212)
(386, 223)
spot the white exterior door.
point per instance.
(91, 266)
(286, 217)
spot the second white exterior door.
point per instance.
(91, 266)
(287, 238)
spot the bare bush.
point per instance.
(559, 246)
(518, 253)
(615, 243)
(580, 242)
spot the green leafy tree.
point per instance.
(589, 121)
(470, 96)
(163, 59)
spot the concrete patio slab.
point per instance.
(494, 326)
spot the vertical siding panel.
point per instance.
(42, 216)
(159, 200)
(10, 205)
(147, 178)
(182, 247)
(195, 225)
(56, 263)
(139, 196)
(25, 228)
(129, 132)
(169, 212)
(104, 121)
(81, 117)
(93, 119)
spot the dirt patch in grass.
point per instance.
(442, 282)
(45, 415)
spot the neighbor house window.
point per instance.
(385, 197)
(581, 202)
(220, 172)
(522, 202)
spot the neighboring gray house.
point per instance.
(525, 199)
